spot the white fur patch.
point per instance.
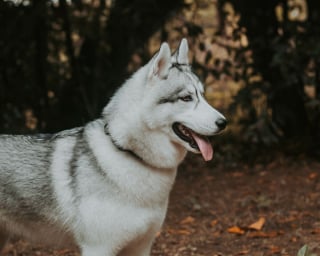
(60, 167)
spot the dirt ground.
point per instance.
(271, 209)
(212, 208)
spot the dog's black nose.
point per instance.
(221, 123)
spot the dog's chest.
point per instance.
(119, 218)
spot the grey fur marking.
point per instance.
(173, 97)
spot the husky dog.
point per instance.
(104, 187)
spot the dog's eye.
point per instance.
(186, 98)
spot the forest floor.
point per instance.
(223, 209)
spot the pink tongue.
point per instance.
(204, 146)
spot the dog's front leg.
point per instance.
(138, 248)
(96, 250)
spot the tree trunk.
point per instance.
(285, 91)
(41, 53)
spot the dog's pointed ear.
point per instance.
(181, 55)
(161, 63)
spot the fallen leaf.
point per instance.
(294, 239)
(236, 230)
(258, 225)
(275, 249)
(213, 223)
(313, 175)
(183, 232)
(237, 174)
(179, 232)
(187, 220)
(315, 231)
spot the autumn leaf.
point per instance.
(275, 250)
(258, 225)
(179, 232)
(236, 230)
(213, 223)
(237, 174)
(183, 232)
(313, 175)
(187, 220)
(315, 231)
(294, 239)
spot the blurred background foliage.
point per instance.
(61, 60)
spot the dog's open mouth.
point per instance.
(196, 141)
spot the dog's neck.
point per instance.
(115, 143)
(147, 146)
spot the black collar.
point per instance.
(120, 148)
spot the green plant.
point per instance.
(304, 251)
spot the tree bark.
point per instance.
(41, 53)
(285, 92)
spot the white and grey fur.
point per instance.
(104, 187)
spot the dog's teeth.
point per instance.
(185, 130)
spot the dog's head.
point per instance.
(174, 97)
